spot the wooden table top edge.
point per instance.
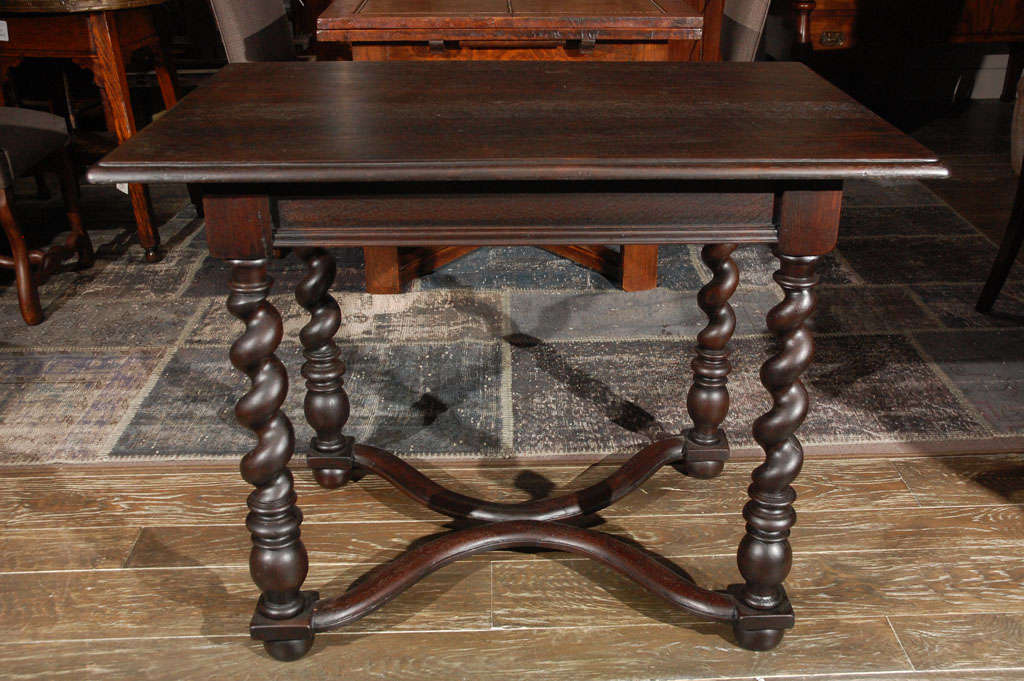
(85, 6)
(270, 173)
(509, 21)
(152, 156)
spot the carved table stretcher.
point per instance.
(421, 154)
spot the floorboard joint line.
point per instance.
(131, 549)
(900, 643)
(899, 474)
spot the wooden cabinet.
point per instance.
(839, 24)
(600, 30)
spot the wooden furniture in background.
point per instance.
(99, 35)
(1013, 238)
(841, 24)
(31, 140)
(513, 30)
(515, 153)
(837, 24)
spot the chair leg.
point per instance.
(1008, 251)
(28, 294)
(79, 240)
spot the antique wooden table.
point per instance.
(99, 35)
(541, 30)
(481, 153)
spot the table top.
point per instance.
(355, 121)
(641, 19)
(64, 6)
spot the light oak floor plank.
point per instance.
(561, 592)
(816, 532)
(213, 602)
(971, 675)
(69, 500)
(963, 641)
(65, 549)
(652, 652)
(965, 480)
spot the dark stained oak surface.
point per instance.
(346, 121)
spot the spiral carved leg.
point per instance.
(326, 404)
(764, 555)
(278, 561)
(707, 402)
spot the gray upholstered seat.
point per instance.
(254, 30)
(27, 137)
(742, 26)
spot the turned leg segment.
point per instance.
(278, 562)
(764, 555)
(326, 405)
(707, 402)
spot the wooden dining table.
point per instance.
(412, 153)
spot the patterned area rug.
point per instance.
(512, 352)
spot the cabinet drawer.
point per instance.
(548, 50)
(832, 30)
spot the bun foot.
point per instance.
(288, 651)
(763, 639)
(154, 254)
(702, 470)
(332, 478)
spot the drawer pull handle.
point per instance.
(833, 38)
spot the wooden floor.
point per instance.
(902, 565)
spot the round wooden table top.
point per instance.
(71, 5)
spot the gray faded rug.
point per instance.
(512, 352)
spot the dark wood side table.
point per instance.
(515, 30)
(396, 154)
(99, 35)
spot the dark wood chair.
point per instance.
(1014, 236)
(30, 141)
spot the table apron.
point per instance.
(524, 218)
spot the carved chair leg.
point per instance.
(278, 561)
(764, 555)
(326, 404)
(108, 71)
(707, 402)
(28, 294)
(79, 241)
(166, 75)
(1007, 255)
